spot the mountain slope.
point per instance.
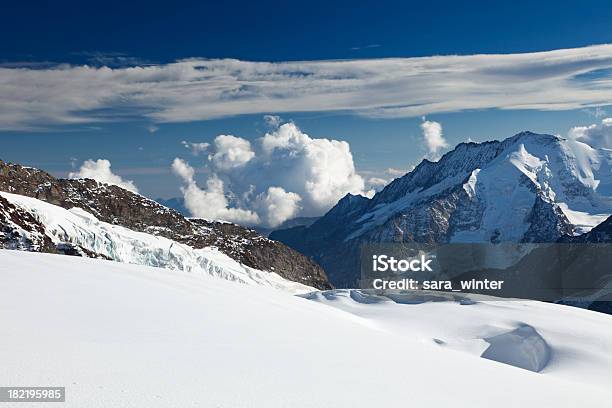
(127, 335)
(600, 234)
(527, 188)
(114, 205)
(77, 232)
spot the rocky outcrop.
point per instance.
(117, 206)
(20, 230)
(601, 234)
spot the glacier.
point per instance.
(117, 334)
(84, 231)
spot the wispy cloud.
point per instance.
(112, 59)
(196, 148)
(198, 89)
(596, 112)
(365, 47)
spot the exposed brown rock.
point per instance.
(115, 205)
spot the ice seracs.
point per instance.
(116, 206)
(83, 232)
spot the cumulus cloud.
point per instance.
(100, 170)
(196, 148)
(199, 89)
(278, 205)
(231, 152)
(284, 174)
(595, 135)
(432, 136)
(321, 170)
(210, 202)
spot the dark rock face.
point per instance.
(20, 230)
(546, 223)
(601, 234)
(177, 204)
(291, 223)
(115, 205)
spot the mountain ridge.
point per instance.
(117, 206)
(527, 188)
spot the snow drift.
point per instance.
(127, 335)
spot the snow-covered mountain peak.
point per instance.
(510, 176)
(527, 188)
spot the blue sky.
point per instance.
(58, 130)
(281, 30)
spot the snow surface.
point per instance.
(121, 244)
(570, 174)
(119, 335)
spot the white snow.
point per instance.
(470, 185)
(119, 335)
(569, 174)
(506, 202)
(121, 244)
(583, 221)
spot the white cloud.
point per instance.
(152, 128)
(200, 89)
(321, 171)
(231, 152)
(211, 202)
(597, 112)
(432, 136)
(286, 170)
(273, 121)
(596, 135)
(377, 183)
(378, 180)
(196, 148)
(183, 170)
(100, 170)
(393, 172)
(278, 205)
